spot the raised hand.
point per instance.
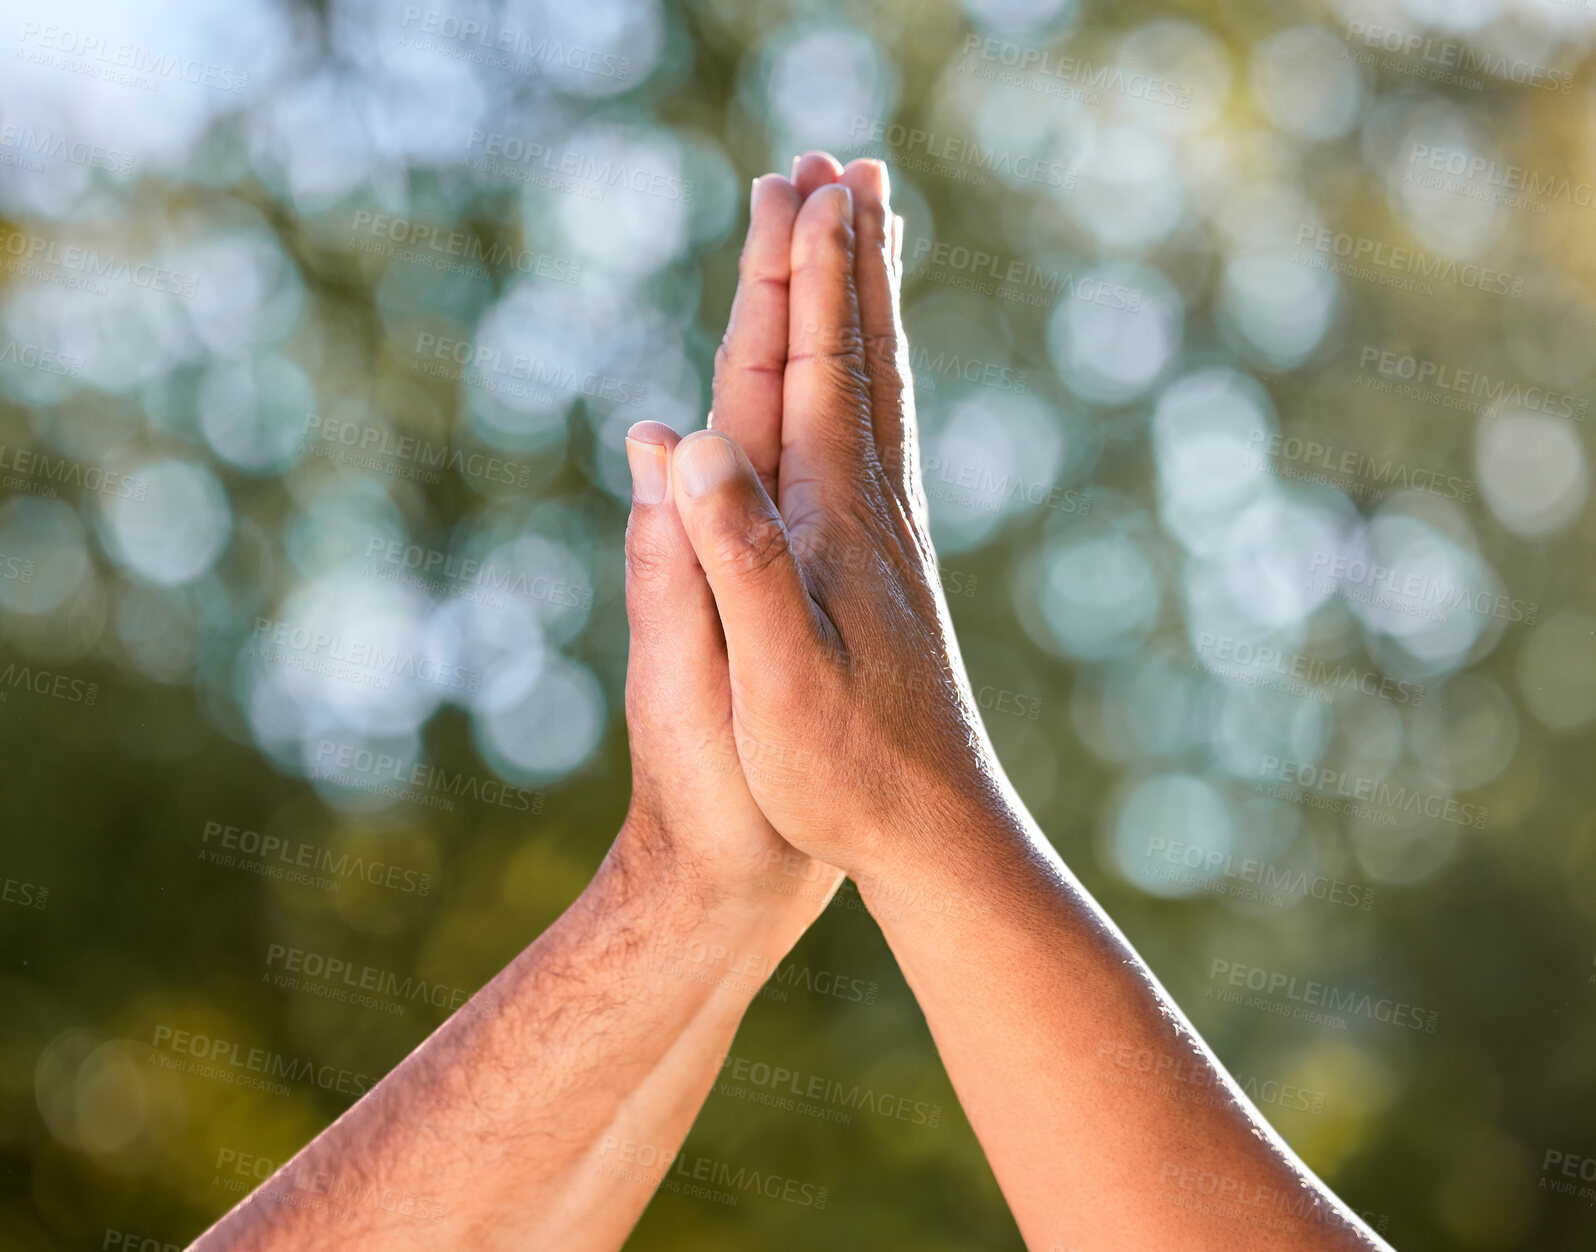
(854, 720)
(860, 742)
(688, 792)
(545, 1112)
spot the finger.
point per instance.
(827, 446)
(885, 348)
(751, 361)
(813, 171)
(746, 554)
(676, 640)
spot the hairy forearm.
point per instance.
(1032, 995)
(543, 1113)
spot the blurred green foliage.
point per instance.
(1056, 165)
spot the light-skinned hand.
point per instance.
(690, 799)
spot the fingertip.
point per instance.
(649, 463)
(870, 178)
(768, 186)
(814, 170)
(831, 205)
(653, 432)
(705, 460)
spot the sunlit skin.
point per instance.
(796, 702)
(863, 747)
(543, 1113)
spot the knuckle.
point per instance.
(756, 272)
(842, 374)
(648, 554)
(747, 549)
(881, 346)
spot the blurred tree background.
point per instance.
(1252, 351)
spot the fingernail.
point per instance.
(648, 471)
(794, 175)
(706, 461)
(845, 203)
(886, 184)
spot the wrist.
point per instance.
(942, 862)
(713, 923)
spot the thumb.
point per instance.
(743, 547)
(676, 643)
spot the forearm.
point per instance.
(527, 1118)
(1031, 995)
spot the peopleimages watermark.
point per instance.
(1472, 176)
(1016, 280)
(73, 265)
(962, 160)
(1448, 61)
(1246, 1202)
(407, 778)
(1358, 256)
(29, 149)
(31, 356)
(41, 474)
(863, 556)
(126, 64)
(1014, 65)
(208, 1056)
(16, 569)
(752, 972)
(792, 874)
(293, 860)
(479, 365)
(240, 1171)
(1312, 460)
(48, 683)
(983, 488)
(131, 1241)
(929, 369)
(352, 660)
(26, 895)
(577, 173)
(957, 583)
(1192, 1080)
(811, 1095)
(1255, 665)
(701, 1177)
(451, 576)
(1340, 792)
(926, 367)
(1563, 1172)
(1417, 595)
(1250, 878)
(504, 47)
(1019, 704)
(453, 251)
(1470, 390)
(364, 446)
(1319, 1003)
(364, 986)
